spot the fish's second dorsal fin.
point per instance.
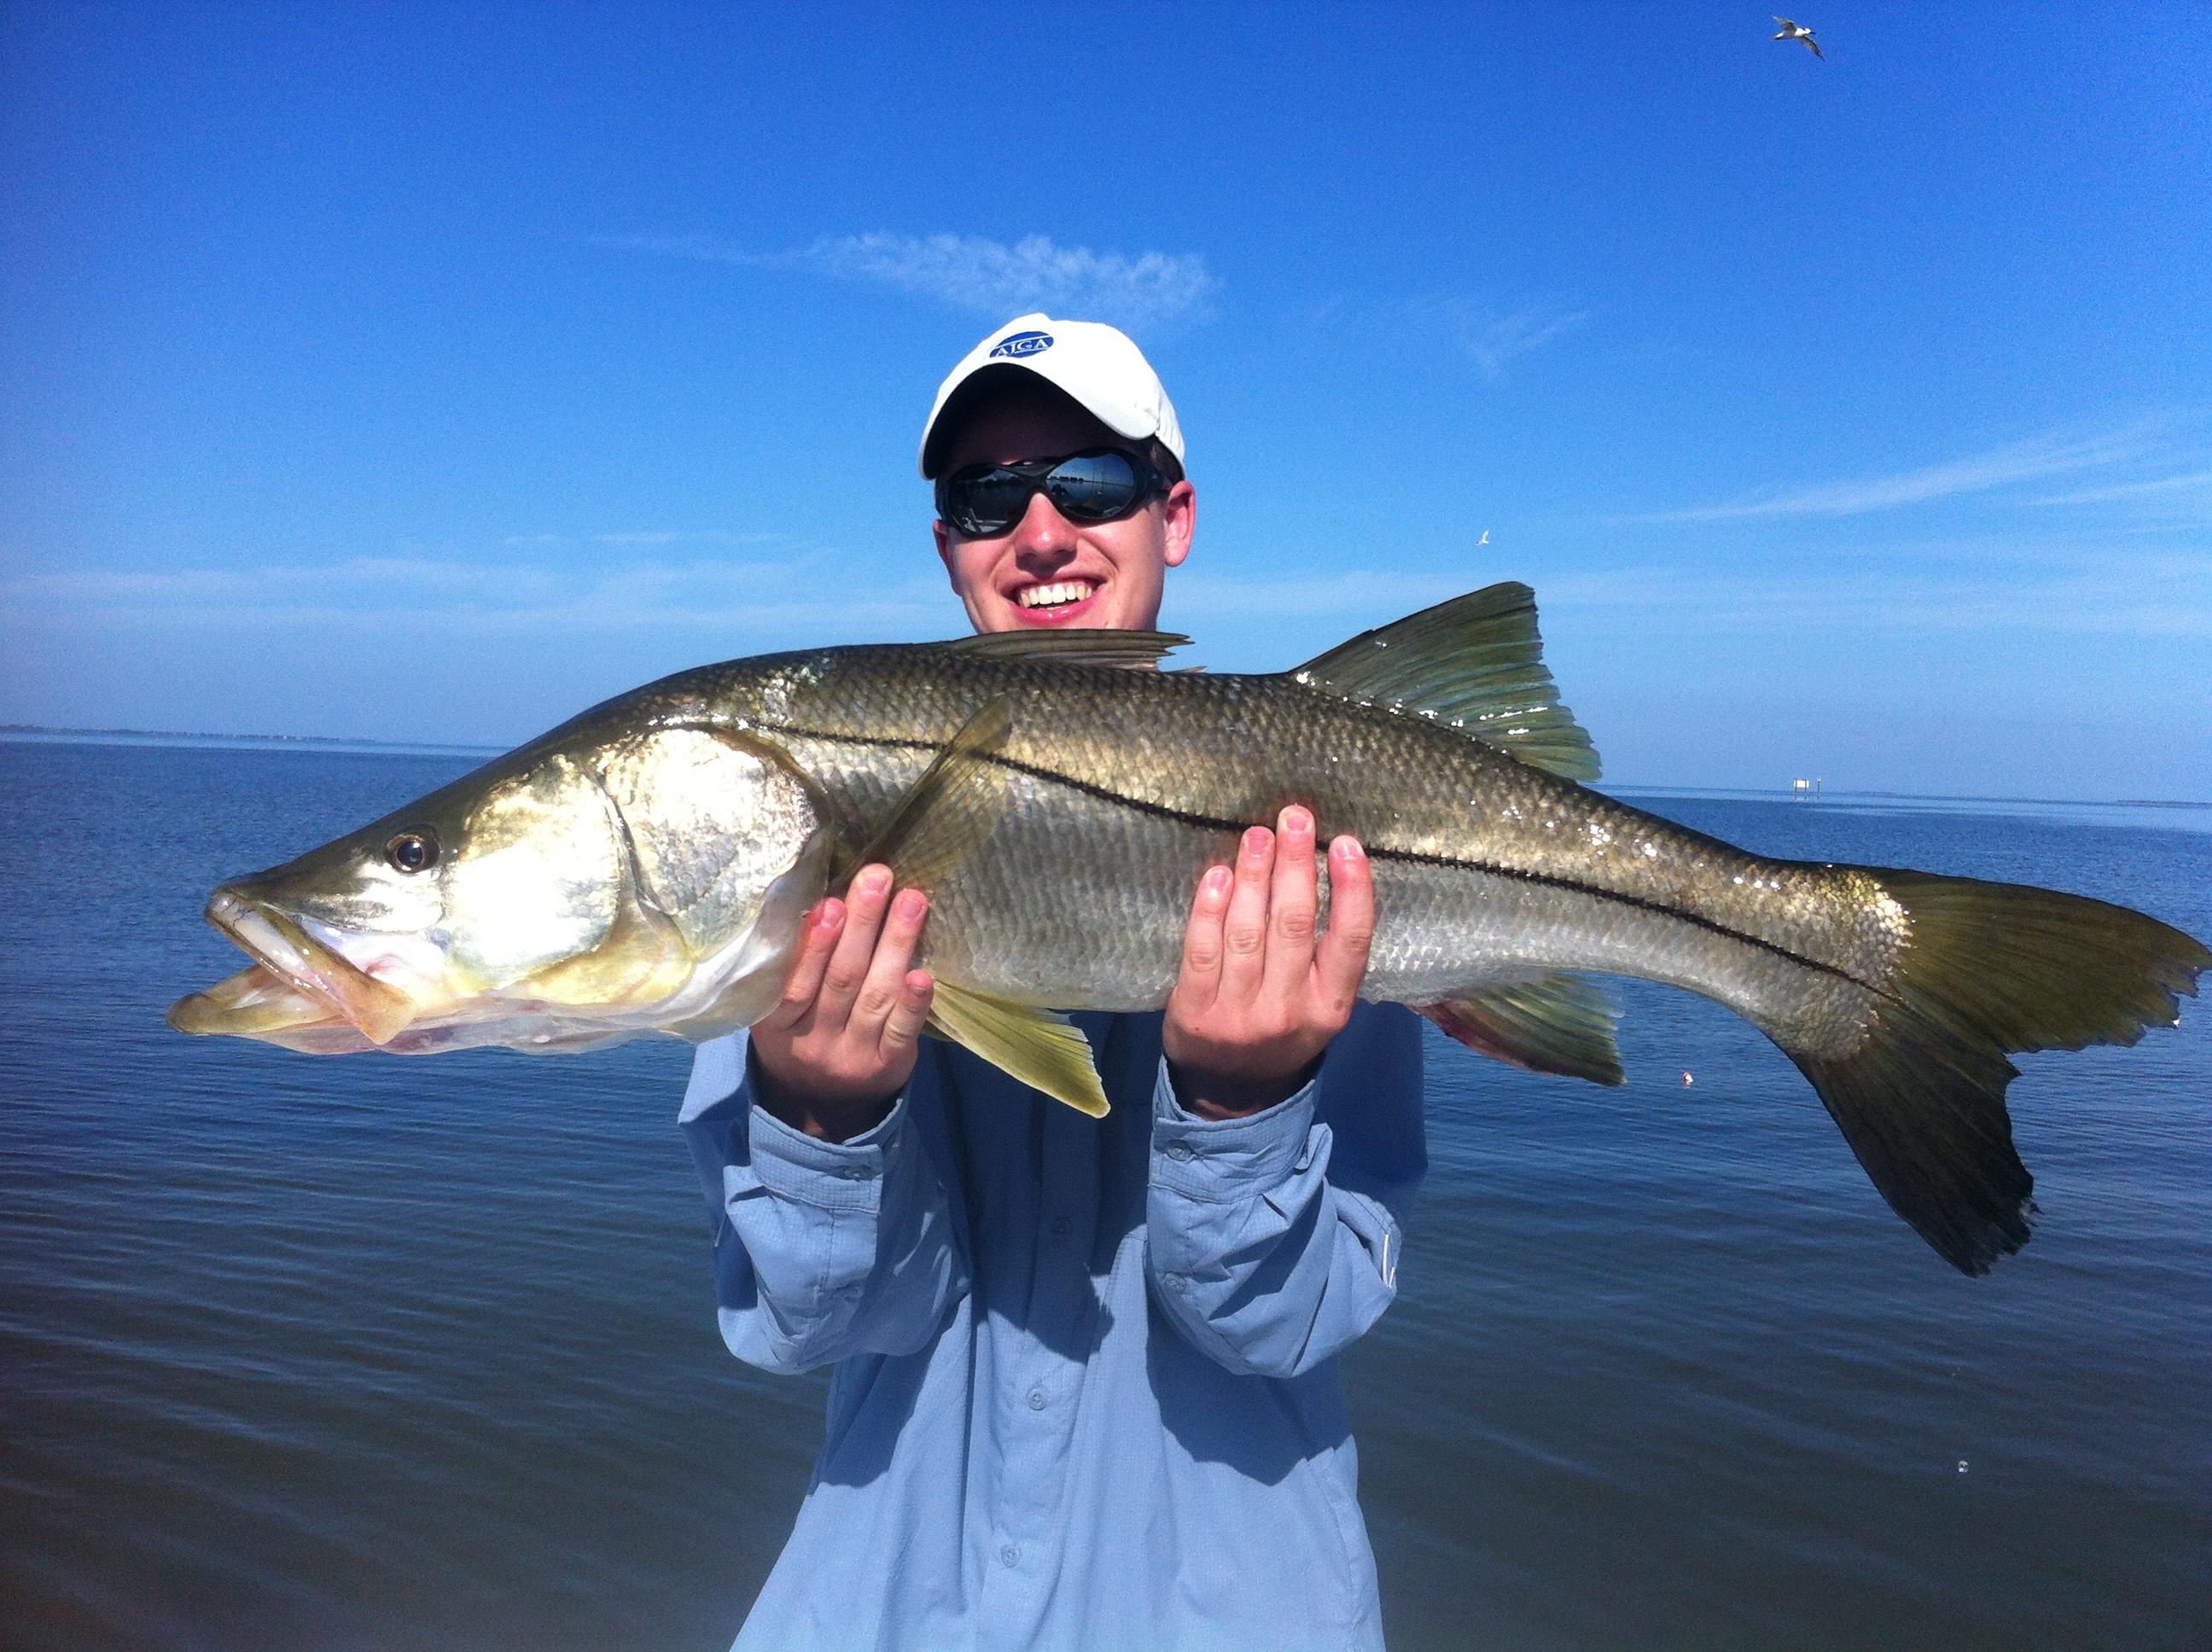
(1475, 664)
(1137, 651)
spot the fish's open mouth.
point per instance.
(295, 980)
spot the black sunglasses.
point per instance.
(1097, 485)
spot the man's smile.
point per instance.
(1055, 602)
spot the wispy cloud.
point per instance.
(973, 273)
(661, 536)
(2000, 467)
(1493, 335)
(2091, 591)
(706, 607)
(1384, 593)
(2157, 490)
(780, 599)
(2098, 592)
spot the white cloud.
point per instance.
(1971, 588)
(654, 537)
(1491, 335)
(2000, 467)
(2154, 491)
(778, 602)
(1491, 344)
(2103, 592)
(991, 277)
(703, 607)
(1384, 594)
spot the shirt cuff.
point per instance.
(830, 1175)
(1225, 1159)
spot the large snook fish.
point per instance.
(645, 867)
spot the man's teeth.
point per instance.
(1055, 596)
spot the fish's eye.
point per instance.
(413, 851)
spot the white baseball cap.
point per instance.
(1099, 366)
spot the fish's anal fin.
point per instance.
(947, 814)
(1556, 1023)
(1130, 650)
(1045, 1051)
(1475, 664)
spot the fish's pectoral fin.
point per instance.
(1045, 1051)
(1556, 1023)
(947, 814)
(1129, 650)
(1475, 664)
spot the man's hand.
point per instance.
(1259, 998)
(842, 1043)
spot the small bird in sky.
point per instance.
(1798, 32)
(1484, 540)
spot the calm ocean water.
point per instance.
(373, 1353)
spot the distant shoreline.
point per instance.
(339, 742)
(166, 736)
(1835, 794)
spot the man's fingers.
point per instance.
(1341, 960)
(1202, 941)
(856, 947)
(903, 1027)
(1293, 898)
(824, 925)
(885, 981)
(1244, 930)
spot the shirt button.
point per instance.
(1010, 1556)
(855, 1173)
(1037, 1399)
(1176, 1282)
(1177, 1151)
(1062, 1228)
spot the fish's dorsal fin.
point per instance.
(1045, 1051)
(1136, 650)
(1555, 1023)
(947, 813)
(1475, 664)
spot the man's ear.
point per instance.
(1179, 517)
(944, 538)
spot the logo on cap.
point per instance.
(1023, 343)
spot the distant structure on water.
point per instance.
(1805, 790)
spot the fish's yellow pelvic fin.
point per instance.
(949, 812)
(1045, 1051)
(1554, 1023)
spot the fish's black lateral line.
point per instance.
(1404, 857)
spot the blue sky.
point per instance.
(423, 372)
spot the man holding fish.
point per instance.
(1084, 1389)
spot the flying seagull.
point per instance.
(1798, 32)
(1484, 540)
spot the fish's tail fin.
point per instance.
(1988, 970)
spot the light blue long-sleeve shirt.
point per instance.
(1086, 1392)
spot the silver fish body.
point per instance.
(1125, 786)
